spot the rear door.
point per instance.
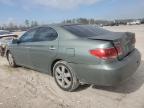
(44, 48)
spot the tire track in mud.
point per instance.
(38, 88)
(30, 82)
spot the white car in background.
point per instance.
(137, 22)
(5, 33)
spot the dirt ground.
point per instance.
(24, 88)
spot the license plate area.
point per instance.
(128, 47)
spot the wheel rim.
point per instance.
(10, 58)
(63, 76)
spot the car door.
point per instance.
(20, 50)
(43, 49)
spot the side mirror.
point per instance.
(15, 41)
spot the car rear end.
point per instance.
(107, 58)
(108, 74)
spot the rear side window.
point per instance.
(45, 34)
(85, 30)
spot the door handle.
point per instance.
(52, 48)
(28, 47)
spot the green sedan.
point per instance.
(77, 54)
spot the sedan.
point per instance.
(77, 54)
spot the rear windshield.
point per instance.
(85, 30)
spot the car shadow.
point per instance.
(82, 87)
(131, 85)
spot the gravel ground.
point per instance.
(24, 88)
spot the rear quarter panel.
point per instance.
(76, 50)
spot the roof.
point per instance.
(58, 25)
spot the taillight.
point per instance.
(108, 53)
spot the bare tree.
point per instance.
(27, 23)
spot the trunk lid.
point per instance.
(123, 40)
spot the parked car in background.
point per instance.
(136, 22)
(77, 54)
(5, 38)
(5, 33)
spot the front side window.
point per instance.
(28, 36)
(45, 34)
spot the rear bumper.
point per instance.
(108, 74)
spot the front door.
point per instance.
(21, 50)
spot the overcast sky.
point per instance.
(48, 11)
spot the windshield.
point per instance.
(85, 30)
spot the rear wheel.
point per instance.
(11, 60)
(65, 77)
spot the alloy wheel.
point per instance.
(63, 76)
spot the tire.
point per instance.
(11, 60)
(65, 77)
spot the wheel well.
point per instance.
(7, 53)
(54, 62)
